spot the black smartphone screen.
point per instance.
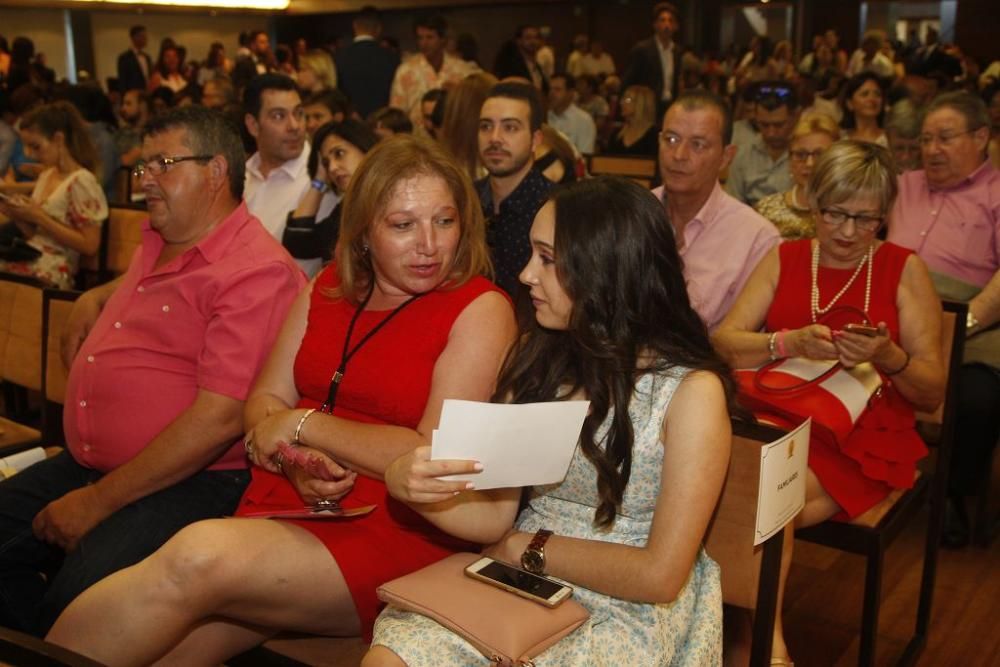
(521, 580)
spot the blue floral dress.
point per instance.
(686, 632)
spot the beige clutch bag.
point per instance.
(507, 629)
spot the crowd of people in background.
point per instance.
(773, 165)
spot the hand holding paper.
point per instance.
(517, 444)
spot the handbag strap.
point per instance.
(758, 377)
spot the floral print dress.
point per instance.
(78, 202)
(684, 633)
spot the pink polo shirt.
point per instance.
(723, 244)
(206, 320)
(955, 230)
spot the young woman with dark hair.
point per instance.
(613, 325)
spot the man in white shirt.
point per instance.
(277, 174)
(432, 68)
(571, 120)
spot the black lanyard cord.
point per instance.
(349, 352)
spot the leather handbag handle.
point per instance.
(758, 377)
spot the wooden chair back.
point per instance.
(749, 574)
(56, 307)
(639, 169)
(21, 331)
(124, 238)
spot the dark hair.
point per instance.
(63, 117)
(661, 7)
(216, 55)
(92, 103)
(519, 33)
(699, 99)
(135, 30)
(521, 91)
(391, 118)
(775, 94)
(208, 133)
(433, 95)
(256, 87)
(163, 93)
(433, 22)
(368, 18)
(566, 77)
(352, 131)
(22, 50)
(848, 121)
(332, 99)
(618, 263)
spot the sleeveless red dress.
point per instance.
(881, 452)
(387, 381)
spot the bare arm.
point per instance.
(82, 317)
(922, 380)
(197, 437)
(696, 439)
(466, 369)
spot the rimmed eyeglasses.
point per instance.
(158, 166)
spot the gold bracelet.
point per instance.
(302, 421)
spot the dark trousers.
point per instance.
(38, 580)
(977, 428)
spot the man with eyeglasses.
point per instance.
(949, 213)
(720, 239)
(161, 361)
(762, 169)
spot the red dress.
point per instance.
(881, 452)
(387, 381)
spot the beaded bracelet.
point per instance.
(770, 345)
(302, 421)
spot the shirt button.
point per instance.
(166, 309)
(90, 359)
(118, 325)
(140, 288)
(83, 404)
(923, 233)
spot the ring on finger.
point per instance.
(279, 460)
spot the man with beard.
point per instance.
(134, 114)
(509, 130)
(519, 58)
(276, 175)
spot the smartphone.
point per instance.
(514, 580)
(862, 329)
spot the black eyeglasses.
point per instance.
(157, 166)
(835, 218)
(781, 92)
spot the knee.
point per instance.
(195, 561)
(380, 656)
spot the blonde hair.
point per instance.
(391, 162)
(850, 168)
(816, 123)
(459, 132)
(644, 101)
(320, 62)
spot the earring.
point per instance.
(364, 249)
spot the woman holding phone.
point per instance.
(612, 325)
(780, 313)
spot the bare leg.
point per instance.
(267, 574)
(819, 507)
(214, 642)
(380, 656)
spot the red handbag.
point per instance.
(786, 392)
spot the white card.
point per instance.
(782, 491)
(524, 444)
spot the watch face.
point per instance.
(533, 561)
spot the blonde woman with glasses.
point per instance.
(789, 210)
(802, 300)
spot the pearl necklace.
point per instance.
(815, 308)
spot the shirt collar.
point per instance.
(292, 167)
(980, 174)
(211, 248)
(364, 38)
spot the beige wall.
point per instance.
(195, 31)
(45, 27)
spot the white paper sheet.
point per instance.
(782, 492)
(519, 445)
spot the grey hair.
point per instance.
(905, 119)
(972, 108)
